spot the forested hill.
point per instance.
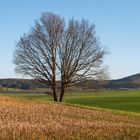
(124, 83)
(132, 81)
(21, 83)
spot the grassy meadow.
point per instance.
(125, 100)
(128, 100)
(23, 119)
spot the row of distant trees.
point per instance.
(24, 84)
(89, 85)
(55, 50)
(31, 84)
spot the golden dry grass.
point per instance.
(22, 119)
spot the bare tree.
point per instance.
(35, 53)
(81, 54)
(52, 51)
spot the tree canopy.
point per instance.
(54, 50)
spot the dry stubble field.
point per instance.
(22, 119)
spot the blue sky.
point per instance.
(117, 24)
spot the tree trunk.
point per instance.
(54, 94)
(62, 92)
(54, 76)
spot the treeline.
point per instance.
(22, 84)
(131, 82)
(118, 84)
(26, 84)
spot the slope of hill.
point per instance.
(34, 120)
(126, 83)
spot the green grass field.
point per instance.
(128, 100)
(118, 100)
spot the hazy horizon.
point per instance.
(117, 24)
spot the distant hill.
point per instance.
(132, 81)
(21, 83)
